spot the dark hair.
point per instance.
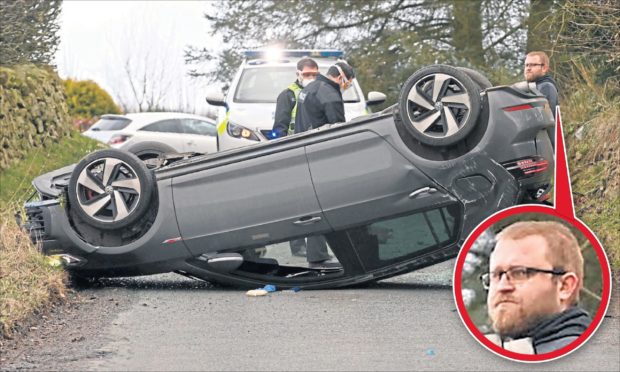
(348, 70)
(306, 62)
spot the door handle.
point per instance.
(308, 220)
(423, 190)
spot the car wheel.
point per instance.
(110, 189)
(439, 105)
(477, 77)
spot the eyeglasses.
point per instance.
(308, 74)
(514, 275)
(528, 65)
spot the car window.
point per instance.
(398, 239)
(263, 85)
(204, 128)
(281, 262)
(167, 126)
(111, 124)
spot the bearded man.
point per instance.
(535, 275)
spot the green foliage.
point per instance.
(33, 112)
(28, 31)
(16, 181)
(591, 113)
(86, 99)
(588, 33)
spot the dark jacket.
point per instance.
(284, 108)
(319, 103)
(547, 86)
(549, 334)
(560, 330)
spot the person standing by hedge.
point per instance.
(537, 71)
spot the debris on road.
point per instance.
(261, 291)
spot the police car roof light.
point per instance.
(316, 53)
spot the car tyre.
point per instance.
(477, 77)
(110, 189)
(439, 105)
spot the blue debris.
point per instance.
(295, 289)
(270, 288)
(430, 352)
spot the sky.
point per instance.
(114, 42)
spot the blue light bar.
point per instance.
(299, 53)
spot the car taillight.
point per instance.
(518, 108)
(117, 139)
(526, 167)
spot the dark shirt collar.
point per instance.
(336, 86)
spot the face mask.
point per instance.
(305, 82)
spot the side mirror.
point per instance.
(216, 99)
(375, 98)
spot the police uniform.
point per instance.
(286, 110)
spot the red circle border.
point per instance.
(598, 317)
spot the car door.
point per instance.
(250, 202)
(168, 131)
(361, 177)
(200, 136)
(390, 211)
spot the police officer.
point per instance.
(318, 104)
(286, 105)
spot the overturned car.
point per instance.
(388, 193)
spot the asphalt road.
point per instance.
(168, 322)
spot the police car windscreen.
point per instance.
(262, 85)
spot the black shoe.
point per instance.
(325, 264)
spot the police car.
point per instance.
(247, 112)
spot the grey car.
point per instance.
(389, 193)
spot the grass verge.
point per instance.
(590, 117)
(27, 282)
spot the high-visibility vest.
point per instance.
(295, 89)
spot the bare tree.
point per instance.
(145, 78)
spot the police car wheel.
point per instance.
(110, 189)
(439, 105)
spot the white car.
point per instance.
(248, 110)
(151, 134)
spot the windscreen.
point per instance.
(263, 85)
(111, 124)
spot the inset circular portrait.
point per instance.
(532, 286)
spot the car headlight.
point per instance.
(239, 131)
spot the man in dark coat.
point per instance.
(318, 104)
(535, 275)
(321, 101)
(537, 71)
(286, 104)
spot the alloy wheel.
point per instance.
(438, 105)
(108, 189)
